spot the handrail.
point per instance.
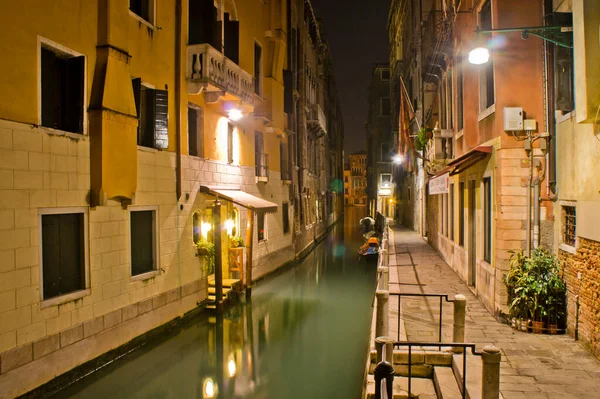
(440, 296)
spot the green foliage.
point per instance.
(235, 242)
(534, 286)
(423, 137)
(207, 250)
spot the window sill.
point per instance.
(286, 182)
(142, 20)
(146, 149)
(486, 112)
(567, 248)
(56, 132)
(145, 276)
(65, 298)
(565, 117)
(260, 179)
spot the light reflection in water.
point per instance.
(303, 335)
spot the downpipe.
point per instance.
(536, 213)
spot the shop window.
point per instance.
(451, 212)
(63, 253)
(143, 9)
(143, 241)
(461, 214)
(153, 114)
(62, 90)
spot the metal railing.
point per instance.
(441, 297)
(262, 165)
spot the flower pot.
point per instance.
(553, 328)
(538, 327)
(513, 323)
(524, 325)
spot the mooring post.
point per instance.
(490, 386)
(384, 273)
(460, 312)
(388, 344)
(384, 370)
(382, 322)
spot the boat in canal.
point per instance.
(370, 249)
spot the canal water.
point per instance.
(304, 334)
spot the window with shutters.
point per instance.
(286, 217)
(153, 114)
(143, 9)
(144, 250)
(286, 174)
(231, 30)
(196, 131)
(64, 252)
(62, 89)
(563, 69)
(486, 74)
(257, 69)
(203, 25)
(261, 226)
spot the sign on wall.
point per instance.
(439, 185)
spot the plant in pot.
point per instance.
(555, 302)
(236, 242)
(207, 251)
(517, 301)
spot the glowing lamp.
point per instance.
(479, 56)
(229, 225)
(210, 389)
(235, 114)
(205, 228)
(231, 368)
(398, 159)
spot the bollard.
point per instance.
(382, 321)
(490, 386)
(384, 282)
(460, 312)
(388, 344)
(384, 370)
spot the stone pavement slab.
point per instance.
(533, 366)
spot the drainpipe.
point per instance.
(529, 150)
(178, 97)
(536, 212)
(550, 99)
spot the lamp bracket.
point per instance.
(559, 35)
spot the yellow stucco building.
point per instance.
(120, 125)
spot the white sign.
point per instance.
(439, 185)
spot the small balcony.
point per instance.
(316, 120)
(262, 167)
(209, 69)
(440, 147)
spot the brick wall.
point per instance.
(585, 260)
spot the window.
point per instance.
(196, 226)
(487, 219)
(486, 76)
(196, 131)
(451, 212)
(563, 69)
(385, 106)
(385, 74)
(346, 191)
(444, 214)
(346, 179)
(459, 95)
(63, 253)
(261, 226)
(286, 218)
(285, 163)
(386, 178)
(230, 128)
(409, 194)
(461, 214)
(569, 225)
(153, 115)
(261, 159)
(143, 241)
(62, 90)
(257, 69)
(385, 152)
(143, 9)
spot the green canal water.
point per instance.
(303, 335)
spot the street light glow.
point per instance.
(479, 56)
(231, 368)
(398, 159)
(210, 390)
(235, 114)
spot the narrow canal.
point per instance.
(303, 335)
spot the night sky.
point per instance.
(356, 31)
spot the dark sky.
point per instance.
(356, 31)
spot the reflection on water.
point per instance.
(304, 335)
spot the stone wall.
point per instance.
(582, 277)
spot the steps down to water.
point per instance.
(422, 388)
(445, 383)
(228, 286)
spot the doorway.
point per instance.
(472, 234)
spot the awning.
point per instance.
(465, 161)
(241, 198)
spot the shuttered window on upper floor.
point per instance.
(153, 113)
(62, 90)
(143, 9)
(143, 242)
(196, 131)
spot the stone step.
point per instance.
(473, 374)
(212, 290)
(445, 383)
(420, 387)
(419, 357)
(227, 282)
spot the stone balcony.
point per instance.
(209, 70)
(316, 120)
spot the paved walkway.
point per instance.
(533, 366)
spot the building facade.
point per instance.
(121, 127)
(358, 178)
(380, 143)
(467, 170)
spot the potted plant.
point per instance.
(236, 242)
(555, 302)
(207, 250)
(517, 301)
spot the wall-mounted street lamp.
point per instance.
(235, 114)
(398, 159)
(559, 35)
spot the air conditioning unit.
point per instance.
(513, 119)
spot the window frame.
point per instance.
(58, 48)
(381, 110)
(572, 245)
(155, 242)
(488, 219)
(381, 71)
(286, 217)
(199, 136)
(451, 211)
(152, 14)
(486, 71)
(44, 303)
(461, 213)
(258, 77)
(265, 227)
(385, 174)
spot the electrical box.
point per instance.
(530, 125)
(513, 119)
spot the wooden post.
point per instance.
(218, 256)
(249, 239)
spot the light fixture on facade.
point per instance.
(229, 225)
(205, 228)
(479, 56)
(231, 368)
(398, 159)
(210, 389)
(235, 114)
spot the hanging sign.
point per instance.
(439, 185)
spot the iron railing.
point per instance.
(441, 308)
(262, 165)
